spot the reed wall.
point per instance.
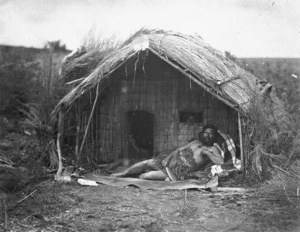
(159, 89)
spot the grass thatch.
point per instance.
(81, 62)
(270, 140)
(189, 53)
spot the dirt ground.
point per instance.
(52, 206)
(58, 207)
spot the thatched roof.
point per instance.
(189, 54)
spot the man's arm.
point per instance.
(170, 156)
(213, 154)
(189, 145)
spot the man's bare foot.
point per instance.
(118, 174)
(212, 183)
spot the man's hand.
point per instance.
(205, 151)
(199, 175)
(164, 163)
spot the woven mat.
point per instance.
(150, 184)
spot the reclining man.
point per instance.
(183, 162)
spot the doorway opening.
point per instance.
(140, 134)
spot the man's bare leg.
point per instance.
(136, 169)
(154, 175)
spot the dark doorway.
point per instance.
(140, 134)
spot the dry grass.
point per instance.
(270, 140)
(283, 193)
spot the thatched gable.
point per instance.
(189, 54)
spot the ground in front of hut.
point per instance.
(71, 207)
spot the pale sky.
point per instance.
(245, 28)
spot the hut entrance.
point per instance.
(140, 134)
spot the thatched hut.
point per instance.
(153, 94)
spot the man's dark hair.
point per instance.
(208, 126)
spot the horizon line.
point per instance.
(238, 57)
